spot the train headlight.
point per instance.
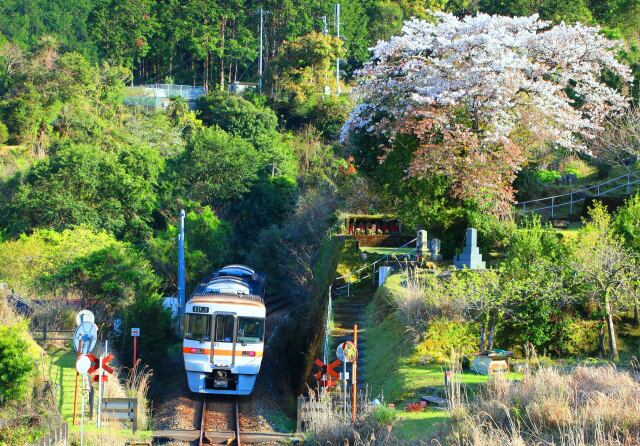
(196, 350)
(250, 354)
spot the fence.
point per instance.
(568, 201)
(44, 335)
(310, 408)
(159, 95)
(56, 437)
(348, 277)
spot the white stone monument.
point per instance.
(470, 256)
(422, 243)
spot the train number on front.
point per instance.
(200, 309)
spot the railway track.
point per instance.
(233, 436)
(228, 437)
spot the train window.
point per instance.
(197, 327)
(224, 328)
(250, 330)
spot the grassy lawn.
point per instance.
(412, 425)
(394, 370)
(383, 251)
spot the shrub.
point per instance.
(4, 133)
(580, 337)
(577, 167)
(16, 364)
(444, 335)
(547, 176)
(383, 415)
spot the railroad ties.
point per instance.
(228, 437)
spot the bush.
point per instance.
(577, 167)
(444, 335)
(237, 116)
(4, 133)
(383, 415)
(16, 364)
(547, 176)
(580, 337)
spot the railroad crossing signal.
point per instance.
(95, 364)
(327, 374)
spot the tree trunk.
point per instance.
(601, 339)
(223, 25)
(492, 334)
(613, 346)
(636, 320)
(205, 73)
(482, 337)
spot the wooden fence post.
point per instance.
(299, 414)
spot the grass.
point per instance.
(395, 371)
(62, 375)
(384, 251)
(412, 425)
(61, 372)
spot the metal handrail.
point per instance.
(570, 201)
(626, 175)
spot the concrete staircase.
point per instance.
(348, 311)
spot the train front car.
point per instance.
(224, 332)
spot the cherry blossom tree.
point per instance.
(482, 94)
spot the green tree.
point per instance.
(16, 363)
(207, 247)
(28, 262)
(237, 116)
(111, 190)
(109, 279)
(215, 166)
(606, 268)
(123, 30)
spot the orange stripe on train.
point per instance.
(207, 351)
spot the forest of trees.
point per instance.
(215, 42)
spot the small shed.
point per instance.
(491, 362)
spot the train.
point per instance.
(224, 329)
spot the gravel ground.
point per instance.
(179, 409)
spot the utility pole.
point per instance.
(338, 36)
(260, 61)
(181, 273)
(324, 25)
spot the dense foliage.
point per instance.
(16, 363)
(474, 116)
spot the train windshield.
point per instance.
(197, 327)
(224, 328)
(250, 330)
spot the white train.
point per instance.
(224, 332)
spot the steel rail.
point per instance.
(203, 435)
(236, 420)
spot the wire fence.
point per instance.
(556, 204)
